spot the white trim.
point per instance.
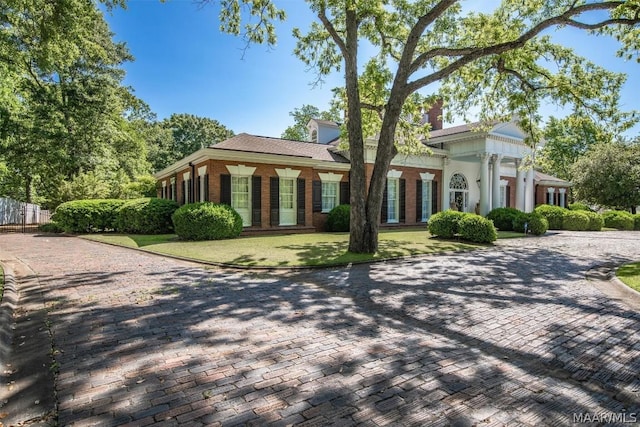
(164, 184)
(202, 170)
(504, 183)
(562, 190)
(185, 176)
(426, 176)
(551, 190)
(240, 170)
(330, 177)
(172, 180)
(288, 173)
(394, 174)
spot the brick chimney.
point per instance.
(434, 115)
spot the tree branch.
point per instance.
(328, 25)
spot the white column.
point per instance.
(495, 183)
(444, 197)
(562, 192)
(484, 184)
(550, 195)
(529, 192)
(520, 186)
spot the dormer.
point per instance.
(323, 131)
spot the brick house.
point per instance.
(290, 186)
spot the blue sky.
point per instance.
(184, 64)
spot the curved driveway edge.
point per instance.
(512, 335)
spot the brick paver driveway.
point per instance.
(511, 335)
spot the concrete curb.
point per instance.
(603, 277)
(27, 395)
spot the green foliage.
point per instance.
(536, 224)
(636, 222)
(445, 224)
(596, 222)
(553, 214)
(146, 216)
(503, 218)
(338, 218)
(476, 228)
(206, 221)
(609, 175)
(579, 207)
(575, 221)
(50, 227)
(87, 216)
(143, 186)
(620, 220)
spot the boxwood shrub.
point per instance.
(476, 228)
(50, 227)
(553, 214)
(503, 218)
(146, 216)
(206, 221)
(536, 223)
(620, 220)
(636, 221)
(338, 218)
(575, 221)
(579, 207)
(445, 223)
(596, 222)
(87, 216)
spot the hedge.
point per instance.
(503, 218)
(338, 218)
(536, 223)
(579, 207)
(553, 214)
(206, 221)
(87, 216)
(575, 221)
(476, 228)
(445, 223)
(636, 222)
(596, 222)
(620, 220)
(146, 216)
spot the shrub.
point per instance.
(503, 218)
(553, 214)
(146, 216)
(579, 207)
(620, 220)
(445, 223)
(206, 221)
(338, 218)
(476, 228)
(87, 216)
(596, 222)
(575, 221)
(51, 227)
(636, 222)
(536, 223)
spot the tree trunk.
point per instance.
(27, 189)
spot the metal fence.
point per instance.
(21, 217)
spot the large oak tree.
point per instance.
(501, 61)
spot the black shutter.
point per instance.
(418, 201)
(256, 201)
(403, 199)
(316, 196)
(301, 197)
(344, 193)
(274, 200)
(507, 191)
(198, 187)
(384, 212)
(206, 188)
(184, 192)
(434, 197)
(225, 189)
(190, 190)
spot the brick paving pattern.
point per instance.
(509, 335)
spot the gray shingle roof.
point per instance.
(283, 147)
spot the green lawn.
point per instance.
(630, 275)
(313, 249)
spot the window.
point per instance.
(426, 200)
(459, 193)
(240, 197)
(392, 199)
(330, 195)
(287, 193)
(314, 136)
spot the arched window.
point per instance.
(459, 192)
(314, 135)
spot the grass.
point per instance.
(629, 274)
(293, 250)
